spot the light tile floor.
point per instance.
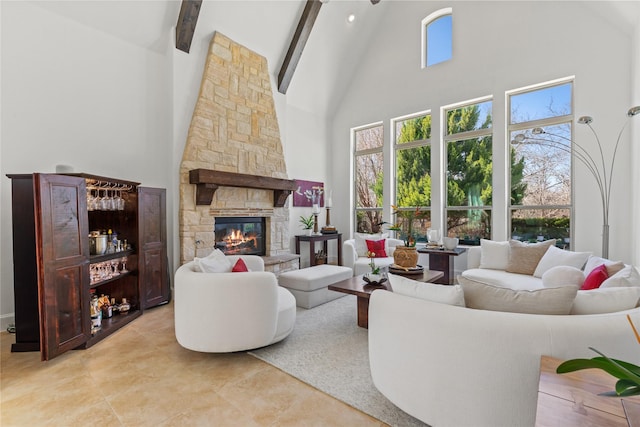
(141, 376)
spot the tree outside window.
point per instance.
(413, 172)
(469, 172)
(540, 130)
(369, 161)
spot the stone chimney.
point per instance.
(234, 128)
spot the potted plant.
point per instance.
(307, 223)
(406, 256)
(628, 374)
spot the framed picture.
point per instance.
(306, 191)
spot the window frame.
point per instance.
(463, 136)
(425, 22)
(564, 119)
(357, 153)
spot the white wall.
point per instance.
(499, 46)
(76, 96)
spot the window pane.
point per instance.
(419, 226)
(542, 166)
(414, 129)
(369, 138)
(469, 172)
(369, 181)
(368, 221)
(439, 40)
(541, 104)
(469, 225)
(413, 177)
(536, 225)
(469, 117)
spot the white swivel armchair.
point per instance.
(226, 312)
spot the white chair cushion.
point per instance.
(607, 300)
(594, 261)
(628, 276)
(555, 257)
(494, 255)
(361, 244)
(215, 262)
(562, 275)
(502, 278)
(540, 301)
(444, 294)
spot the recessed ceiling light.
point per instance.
(351, 18)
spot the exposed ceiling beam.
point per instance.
(300, 37)
(186, 26)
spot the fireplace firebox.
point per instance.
(240, 235)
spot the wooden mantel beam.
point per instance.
(300, 37)
(207, 182)
(186, 25)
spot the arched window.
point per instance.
(437, 38)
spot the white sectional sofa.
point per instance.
(453, 365)
(459, 367)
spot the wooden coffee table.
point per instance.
(358, 287)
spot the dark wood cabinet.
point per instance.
(53, 266)
(153, 248)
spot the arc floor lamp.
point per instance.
(596, 163)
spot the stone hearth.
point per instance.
(234, 128)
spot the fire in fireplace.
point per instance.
(240, 235)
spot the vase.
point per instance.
(405, 256)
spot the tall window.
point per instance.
(368, 143)
(540, 131)
(469, 171)
(413, 169)
(437, 37)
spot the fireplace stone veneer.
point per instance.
(234, 128)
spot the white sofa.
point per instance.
(226, 312)
(620, 292)
(359, 262)
(454, 366)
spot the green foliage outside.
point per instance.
(469, 175)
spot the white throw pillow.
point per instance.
(361, 242)
(555, 257)
(541, 301)
(628, 276)
(494, 255)
(562, 275)
(608, 300)
(215, 262)
(444, 294)
(594, 261)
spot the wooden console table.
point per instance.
(324, 238)
(441, 260)
(573, 399)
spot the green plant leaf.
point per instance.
(627, 388)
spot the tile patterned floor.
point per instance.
(140, 376)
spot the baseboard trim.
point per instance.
(6, 320)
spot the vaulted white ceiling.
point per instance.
(266, 26)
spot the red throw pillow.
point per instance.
(377, 247)
(240, 267)
(595, 278)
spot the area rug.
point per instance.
(328, 351)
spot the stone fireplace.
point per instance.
(234, 131)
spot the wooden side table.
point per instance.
(441, 260)
(573, 399)
(324, 238)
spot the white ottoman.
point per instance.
(309, 285)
